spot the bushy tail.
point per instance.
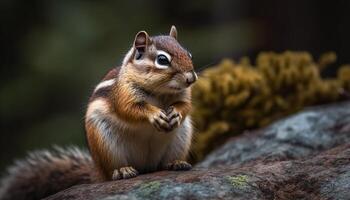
(43, 173)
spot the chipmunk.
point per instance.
(137, 121)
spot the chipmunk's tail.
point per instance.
(43, 173)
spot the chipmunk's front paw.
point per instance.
(160, 122)
(174, 118)
(124, 173)
(179, 165)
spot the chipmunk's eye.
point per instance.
(163, 60)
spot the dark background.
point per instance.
(53, 53)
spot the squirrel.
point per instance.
(137, 121)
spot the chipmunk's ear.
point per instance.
(173, 32)
(140, 45)
(142, 40)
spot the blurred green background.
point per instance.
(53, 53)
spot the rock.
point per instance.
(326, 176)
(308, 132)
(305, 156)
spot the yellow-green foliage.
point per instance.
(239, 181)
(232, 97)
(344, 77)
(148, 189)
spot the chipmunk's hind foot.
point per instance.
(124, 173)
(179, 165)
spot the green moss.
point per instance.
(147, 189)
(233, 97)
(240, 181)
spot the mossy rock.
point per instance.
(243, 96)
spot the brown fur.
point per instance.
(138, 97)
(99, 155)
(181, 59)
(44, 173)
(112, 74)
(128, 107)
(129, 126)
(183, 108)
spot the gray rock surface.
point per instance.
(305, 156)
(308, 132)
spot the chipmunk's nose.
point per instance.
(191, 77)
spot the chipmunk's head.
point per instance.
(160, 63)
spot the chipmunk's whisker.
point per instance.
(201, 69)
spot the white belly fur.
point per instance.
(141, 146)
